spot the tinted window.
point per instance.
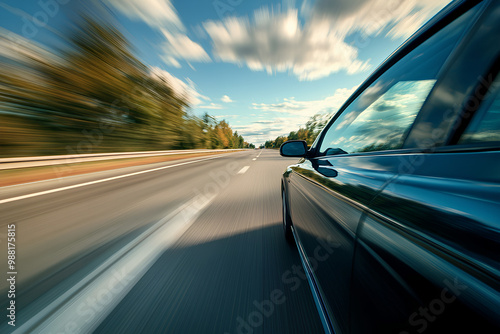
(485, 126)
(381, 115)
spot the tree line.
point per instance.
(309, 133)
(93, 95)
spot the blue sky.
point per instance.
(264, 66)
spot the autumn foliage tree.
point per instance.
(312, 129)
(91, 96)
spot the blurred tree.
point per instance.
(313, 127)
(94, 95)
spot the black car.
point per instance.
(395, 208)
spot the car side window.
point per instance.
(380, 117)
(485, 125)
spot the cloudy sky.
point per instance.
(264, 66)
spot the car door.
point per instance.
(355, 157)
(427, 253)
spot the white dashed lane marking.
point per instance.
(243, 170)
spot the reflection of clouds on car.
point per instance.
(415, 208)
(382, 123)
(484, 128)
(372, 93)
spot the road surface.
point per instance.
(191, 246)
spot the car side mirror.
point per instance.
(294, 148)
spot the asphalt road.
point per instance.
(180, 247)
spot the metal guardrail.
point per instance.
(24, 162)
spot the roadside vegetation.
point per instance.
(92, 95)
(309, 133)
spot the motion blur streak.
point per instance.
(112, 280)
(12, 199)
(231, 258)
(89, 93)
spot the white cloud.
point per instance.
(226, 99)
(308, 108)
(226, 116)
(18, 48)
(278, 41)
(258, 133)
(180, 46)
(156, 13)
(289, 115)
(180, 88)
(210, 106)
(161, 15)
(402, 17)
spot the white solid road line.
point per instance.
(109, 283)
(12, 199)
(243, 170)
(260, 153)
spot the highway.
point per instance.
(187, 246)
